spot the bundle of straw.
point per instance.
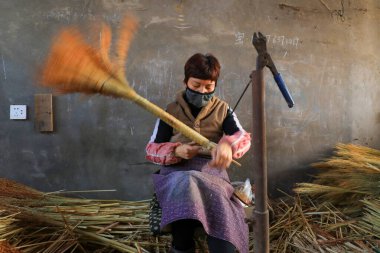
(327, 215)
(33, 221)
(75, 66)
(351, 175)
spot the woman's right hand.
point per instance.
(187, 151)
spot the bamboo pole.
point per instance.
(112, 86)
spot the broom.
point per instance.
(75, 66)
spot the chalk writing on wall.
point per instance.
(280, 40)
(239, 38)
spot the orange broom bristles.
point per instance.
(128, 28)
(75, 66)
(105, 43)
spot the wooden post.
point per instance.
(260, 212)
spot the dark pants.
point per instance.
(183, 232)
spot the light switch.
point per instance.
(17, 112)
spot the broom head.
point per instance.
(75, 66)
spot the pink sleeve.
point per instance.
(162, 153)
(240, 143)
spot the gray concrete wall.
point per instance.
(327, 53)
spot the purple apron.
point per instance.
(193, 190)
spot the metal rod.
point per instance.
(260, 212)
(242, 94)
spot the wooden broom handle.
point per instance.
(120, 88)
(116, 88)
(177, 124)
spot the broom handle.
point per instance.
(176, 124)
(124, 91)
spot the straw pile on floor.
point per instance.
(303, 225)
(32, 221)
(338, 212)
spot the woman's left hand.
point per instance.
(221, 156)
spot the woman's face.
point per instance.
(200, 85)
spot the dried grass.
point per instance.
(54, 223)
(371, 218)
(5, 247)
(300, 225)
(320, 218)
(338, 212)
(351, 175)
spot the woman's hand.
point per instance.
(187, 151)
(221, 156)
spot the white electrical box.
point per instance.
(17, 112)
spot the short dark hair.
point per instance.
(202, 66)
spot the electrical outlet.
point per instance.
(17, 112)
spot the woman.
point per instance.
(192, 187)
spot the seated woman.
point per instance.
(193, 187)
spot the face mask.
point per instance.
(198, 99)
